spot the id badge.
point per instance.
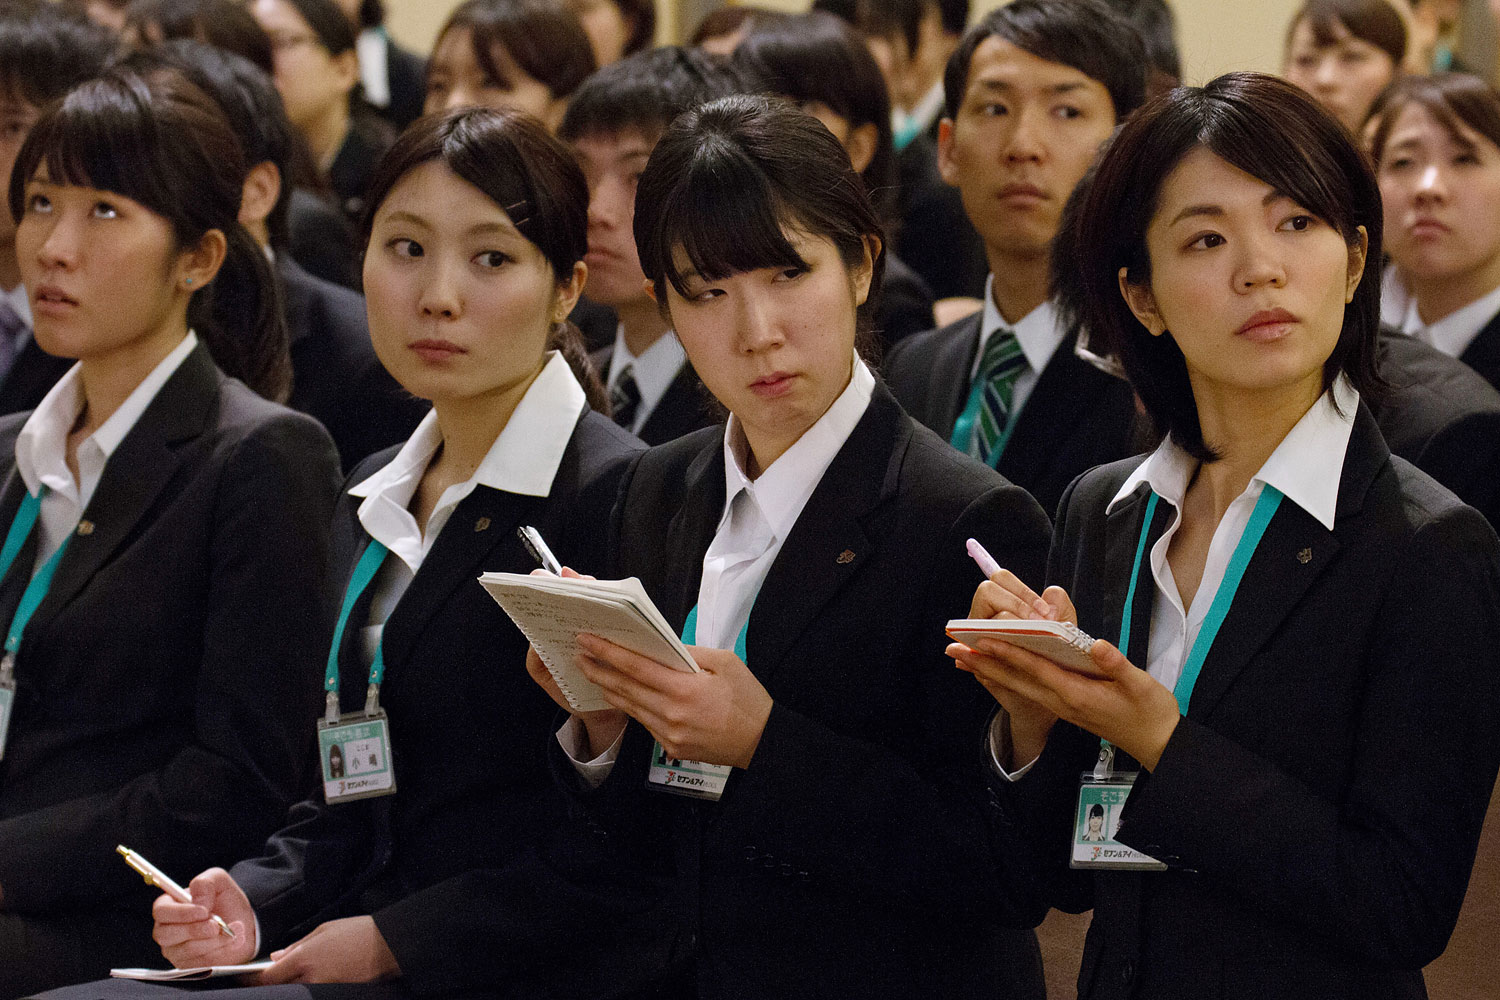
(355, 755)
(691, 778)
(7, 702)
(1100, 803)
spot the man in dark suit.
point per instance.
(612, 124)
(335, 374)
(43, 54)
(1021, 129)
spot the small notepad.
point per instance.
(552, 611)
(185, 975)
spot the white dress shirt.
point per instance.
(372, 47)
(1039, 333)
(920, 118)
(758, 515)
(42, 447)
(1456, 331)
(654, 371)
(1306, 467)
(524, 459)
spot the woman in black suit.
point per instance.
(473, 262)
(1311, 738)
(167, 597)
(849, 848)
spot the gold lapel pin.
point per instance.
(481, 524)
(1305, 556)
(845, 557)
(85, 527)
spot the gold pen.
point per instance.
(155, 876)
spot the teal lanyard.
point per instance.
(36, 590)
(1260, 517)
(690, 634)
(963, 428)
(364, 571)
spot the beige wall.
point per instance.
(1215, 35)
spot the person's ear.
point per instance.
(1358, 253)
(568, 292)
(946, 167)
(861, 145)
(862, 275)
(198, 265)
(261, 191)
(1142, 303)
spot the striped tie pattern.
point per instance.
(1001, 364)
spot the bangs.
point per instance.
(725, 217)
(102, 136)
(1305, 172)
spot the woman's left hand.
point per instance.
(715, 716)
(1126, 706)
(351, 950)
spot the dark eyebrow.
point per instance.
(1217, 211)
(1005, 86)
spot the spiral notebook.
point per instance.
(551, 611)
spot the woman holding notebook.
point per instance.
(1297, 697)
(834, 828)
(475, 238)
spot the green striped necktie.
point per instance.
(1000, 366)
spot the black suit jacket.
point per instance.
(1483, 352)
(469, 728)
(31, 376)
(935, 237)
(1076, 417)
(685, 407)
(336, 376)
(322, 240)
(905, 304)
(1322, 800)
(1442, 417)
(407, 74)
(846, 861)
(167, 685)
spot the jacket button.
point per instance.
(750, 854)
(1127, 973)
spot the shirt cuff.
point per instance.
(999, 742)
(573, 738)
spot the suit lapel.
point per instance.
(1292, 554)
(1058, 402)
(484, 521)
(680, 409)
(691, 531)
(1483, 352)
(1122, 537)
(829, 542)
(135, 475)
(954, 360)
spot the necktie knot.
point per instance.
(625, 398)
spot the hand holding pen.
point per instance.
(189, 933)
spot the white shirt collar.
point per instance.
(19, 301)
(1456, 331)
(1306, 466)
(42, 445)
(923, 113)
(373, 49)
(524, 459)
(782, 490)
(1040, 332)
(654, 371)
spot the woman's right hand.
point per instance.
(1004, 595)
(602, 727)
(187, 933)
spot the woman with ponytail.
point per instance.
(162, 580)
(476, 234)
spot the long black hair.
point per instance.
(164, 143)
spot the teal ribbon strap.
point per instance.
(364, 571)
